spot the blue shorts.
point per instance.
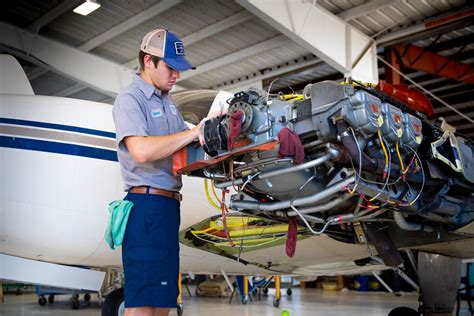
(150, 251)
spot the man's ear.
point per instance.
(147, 61)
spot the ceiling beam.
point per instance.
(420, 59)
(70, 90)
(217, 27)
(366, 8)
(60, 9)
(93, 71)
(206, 32)
(236, 56)
(440, 24)
(276, 71)
(460, 106)
(130, 23)
(336, 42)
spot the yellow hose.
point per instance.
(209, 199)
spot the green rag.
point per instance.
(119, 211)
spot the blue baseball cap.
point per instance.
(166, 45)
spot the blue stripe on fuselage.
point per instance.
(58, 148)
(57, 127)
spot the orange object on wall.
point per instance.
(412, 97)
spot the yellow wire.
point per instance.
(416, 163)
(214, 191)
(383, 148)
(206, 187)
(399, 158)
(217, 244)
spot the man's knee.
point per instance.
(140, 311)
(162, 311)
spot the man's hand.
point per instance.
(151, 148)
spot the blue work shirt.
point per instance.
(143, 110)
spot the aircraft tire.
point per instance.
(112, 303)
(289, 292)
(405, 311)
(42, 300)
(87, 297)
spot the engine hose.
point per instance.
(409, 226)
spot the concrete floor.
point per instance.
(302, 302)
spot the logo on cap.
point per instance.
(179, 48)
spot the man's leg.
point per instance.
(140, 311)
(146, 311)
(162, 311)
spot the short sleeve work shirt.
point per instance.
(142, 110)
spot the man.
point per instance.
(149, 130)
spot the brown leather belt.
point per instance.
(144, 190)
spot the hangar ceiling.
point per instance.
(233, 46)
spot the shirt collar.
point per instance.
(147, 89)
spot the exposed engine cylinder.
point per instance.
(358, 145)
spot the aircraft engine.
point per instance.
(337, 154)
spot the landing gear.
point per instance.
(114, 304)
(75, 302)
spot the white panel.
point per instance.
(43, 273)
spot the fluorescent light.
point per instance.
(87, 7)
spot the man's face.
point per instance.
(161, 76)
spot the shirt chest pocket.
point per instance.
(159, 126)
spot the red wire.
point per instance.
(224, 222)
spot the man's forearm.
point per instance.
(150, 148)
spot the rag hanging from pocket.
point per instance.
(119, 211)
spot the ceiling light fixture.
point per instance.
(87, 7)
